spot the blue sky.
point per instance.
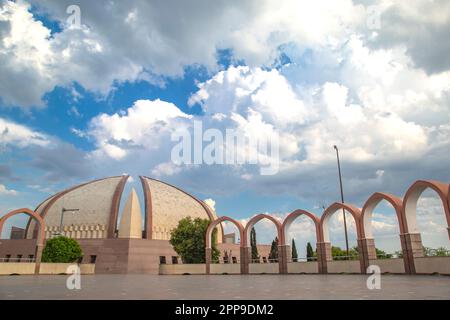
(102, 98)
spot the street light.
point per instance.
(62, 217)
(342, 199)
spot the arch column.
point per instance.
(412, 248)
(282, 258)
(323, 250)
(208, 260)
(245, 259)
(366, 247)
(38, 257)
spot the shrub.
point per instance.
(61, 249)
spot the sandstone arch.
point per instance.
(208, 242)
(40, 235)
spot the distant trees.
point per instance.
(273, 255)
(294, 251)
(310, 253)
(383, 255)
(339, 254)
(254, 248)
(439, 252)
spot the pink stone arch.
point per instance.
(41, 232)
(412, 196)
(324, 220)
(371, 204)
(290, 218)
(214, 223)
(248, 227)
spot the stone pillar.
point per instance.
(245, 254)
(131, 221)
(323, 255)
(38, 257)
(412, 248)
(208, 254)
(367, 252)
(282, 258)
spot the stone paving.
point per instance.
(225, 287)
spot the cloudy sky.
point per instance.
(102, 98)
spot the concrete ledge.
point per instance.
(430, 265)
(58, 268)
(303, 267)
(228, 268)
(395, 265)
(264, 268)
(8, 268)
(182, 269)
(346, 266)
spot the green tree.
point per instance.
(294, 251)
(188, 240)
(61, 249)
(309, 252)
(339, 254)
(273, 255)
(255, 255)
(382, 254)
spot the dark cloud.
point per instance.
(424, 29)
(61, 162)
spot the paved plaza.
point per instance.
(225, 287)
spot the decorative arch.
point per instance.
(214, 223)
(324, 219)
(257, 218)
(371, 204)
(41, 233)
(366, 227)
(290, 218)
(412, 196)
(282, 252)
(208, 248)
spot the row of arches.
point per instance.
(405, 210)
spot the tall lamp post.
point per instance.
(63, 210)
(342, 200)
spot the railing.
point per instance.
(17, 260)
